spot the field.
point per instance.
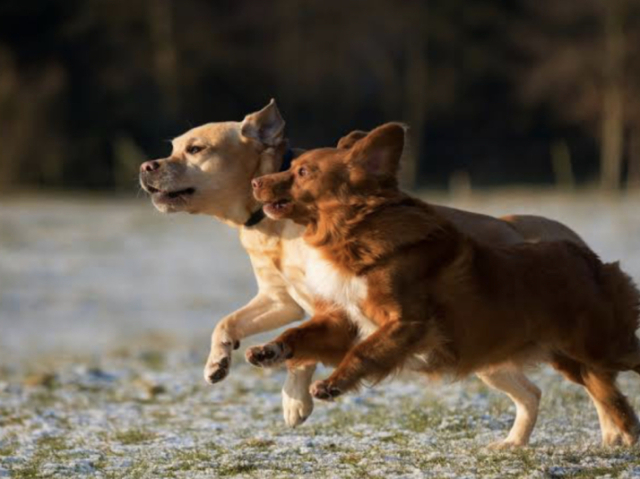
(106, 308)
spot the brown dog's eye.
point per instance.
(194, 150)
(302, 171)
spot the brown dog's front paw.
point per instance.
(324, 390)
(268, 355)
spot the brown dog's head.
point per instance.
(328, 176)
(210, 168)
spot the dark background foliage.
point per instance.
(523, 91)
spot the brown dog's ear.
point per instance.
(380, 151)
(265, 126)
(351, 139)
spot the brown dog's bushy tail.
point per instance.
(617, 286)
(623, 298)
(624, 295)
(625, 301)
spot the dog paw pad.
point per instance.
(324, 391)
(215, 373)
(267, 355)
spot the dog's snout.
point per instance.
(271, 187)
(149, 166)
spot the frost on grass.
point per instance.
(103, 421)
(87, 391)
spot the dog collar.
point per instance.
(287, 158)
(258, 215)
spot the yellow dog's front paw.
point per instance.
(216, 372)
(219, 362)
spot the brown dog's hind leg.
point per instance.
(526, 397)
(603, 392)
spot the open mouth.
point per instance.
(170, 194)
(278, 208)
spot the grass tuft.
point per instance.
(134, 436)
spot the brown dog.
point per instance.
(399, 284)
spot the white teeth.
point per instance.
(277, 206)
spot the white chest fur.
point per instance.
(327, 282)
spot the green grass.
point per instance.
(259, 443)
(48, 449)
(134, 436)
(8, 449)
(422, 419)
(595, 472)
(52, 444)
(229, 470)
(193, 459)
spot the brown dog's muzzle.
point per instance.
(273, 187)
(274, 191)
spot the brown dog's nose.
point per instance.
(256, 183)
(149, 166)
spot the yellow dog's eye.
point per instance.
(302, 171)
(194, 149)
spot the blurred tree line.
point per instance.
(520, 91)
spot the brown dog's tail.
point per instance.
(625, 301)
(623, 297)
(618, 288)
(623, 294)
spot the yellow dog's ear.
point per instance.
(265, 126)
(379, 152)
(351, 139)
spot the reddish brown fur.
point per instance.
(433, 290)
(325, 338)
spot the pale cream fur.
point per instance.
(236, 152)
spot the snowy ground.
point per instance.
(105, 312)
